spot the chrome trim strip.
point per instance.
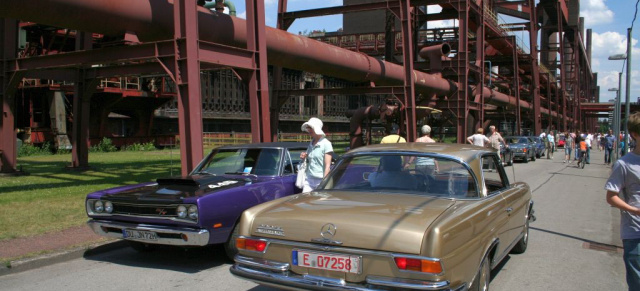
(407, 283)
(197, 237)
(261, 263)
(288, 279)
(326, 248)
(90, 212)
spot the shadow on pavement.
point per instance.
(185, 260)
(574, 237)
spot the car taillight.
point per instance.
(417, 265)
(524, 150)
(248, 244)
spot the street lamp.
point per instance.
(626, 57)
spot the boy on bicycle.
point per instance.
(583, 152)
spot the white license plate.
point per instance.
(327, 261)
(139, 234)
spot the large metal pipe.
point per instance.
(153, 20)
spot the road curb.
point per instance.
(22, 265)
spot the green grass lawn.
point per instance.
(52, 197)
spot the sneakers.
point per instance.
(564, 161)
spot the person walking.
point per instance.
(428, 166)
(609, 141)
(577, 141)
(623, 193)
(568, 146)
(552, 145)
(478, 139)
(394, 136)
(318, 154)
(588, 140)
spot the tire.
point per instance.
(521, 246)
(526, 158)
(230, 248)
(582, 163)
(533, 157)
(481, 282)
(511, 161)
(142, 247)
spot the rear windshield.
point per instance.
(408, 174)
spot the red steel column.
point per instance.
(461, 101)
(535, 79)
(187, 78)
(516, 86)
(8, 51)
(258, 82)
(479, 62)
(563, 70)
(409, 85)
(278, 101)
(82, 92)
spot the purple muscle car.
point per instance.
(202, 208)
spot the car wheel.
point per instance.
(230, 246)
(526, 158)
(142, 247)
(511, 161)
(521, 246)
(533, 157)
(481, 282)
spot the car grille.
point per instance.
(145, 210)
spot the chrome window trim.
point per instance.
(418, 154)
(406, 283)
(502, 175)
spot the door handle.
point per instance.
(509, 209)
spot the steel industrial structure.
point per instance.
(180, 39)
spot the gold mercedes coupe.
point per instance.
(411, 216)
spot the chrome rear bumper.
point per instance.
(277, 274)
(166, 236)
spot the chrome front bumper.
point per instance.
(166, 236)
(278, 275)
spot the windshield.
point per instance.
(516, 140)
(243, 161)
(407, 174)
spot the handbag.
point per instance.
(302, 174)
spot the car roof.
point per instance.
(465, 152)
(286, 144)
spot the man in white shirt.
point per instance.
(479, 139)
(588, 140)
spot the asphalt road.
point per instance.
(572, 246)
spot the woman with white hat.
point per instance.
(318, 154)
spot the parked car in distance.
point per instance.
(522, 147)
(506, 155)
(539, 146)
(375, 225)
(202, 208)
(561, 140)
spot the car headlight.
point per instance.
(98, 206)
(193, 212)
(182, 211)
(108, 206)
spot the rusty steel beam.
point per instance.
(83, 89)
(152, 21)
(186, 74)
(535, 92)
(8, 50)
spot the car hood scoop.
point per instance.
(175, 189)
(394, 223)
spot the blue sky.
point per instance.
(609, 20)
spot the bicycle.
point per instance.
(582, 160)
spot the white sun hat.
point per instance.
(315, 124)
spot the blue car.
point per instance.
(523, 148)
(539, 146)
(202, 208)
